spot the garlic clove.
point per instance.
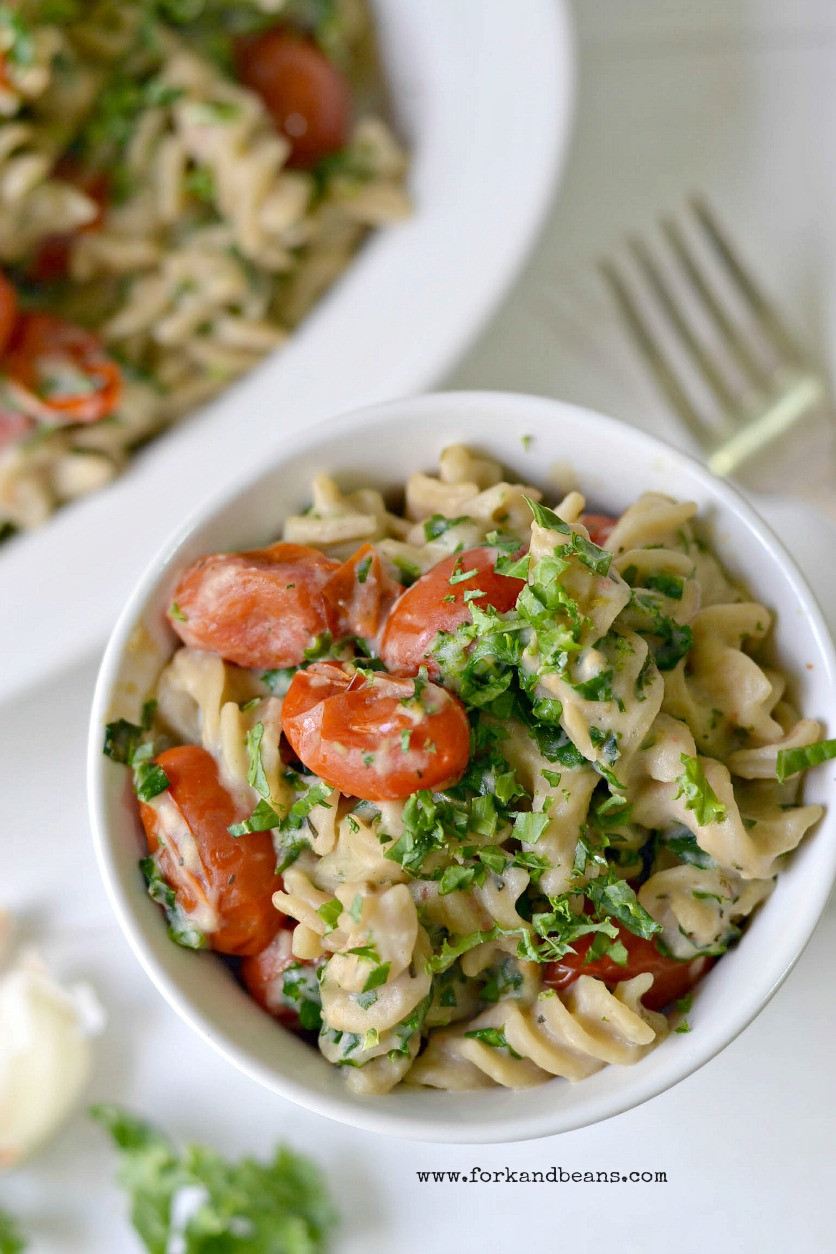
(45, 1054)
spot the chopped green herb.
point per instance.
(180, 928)
(454, 947)
(545, 517)
(529, 826)
(669, 585)
(330, 912)
(592, 556)
(177, 614)
(503, 980)
(615, 897)
(11, 1239)
(698, 793)
(121, 741)
(455, 878)
(255, 767)
(149, 780)
(320, 648)
(262, 819)
(379, 975)
(791, 761)
(368, 953)
(513, 567)
(409, 571)
(200, 183)
(682, 842)
(495, 1037)
(278, 1207)
(278, 681)
(548, 710)
(598, 688)
(494, 858)
(300, 992)
(459, 576)
(438, 525)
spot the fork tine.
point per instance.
(685, 331)
(765, 313)
(734, 340)
(665, 373)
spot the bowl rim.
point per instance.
(372, 1115)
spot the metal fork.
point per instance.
(738, 379)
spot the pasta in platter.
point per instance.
(179, 183)
(476, 792)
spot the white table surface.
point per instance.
(734, 97)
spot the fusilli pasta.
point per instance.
(619, 813)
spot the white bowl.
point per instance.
(485, 106)
(380, 446)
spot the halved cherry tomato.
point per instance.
(359, 595)
(41, 347)
(671, 978)
(599, 526)
(225, 883)
(260, 608)
(306, 95)
(52, 256)
(8, 311)
(374, 736)
(436, 602)
(264, 978)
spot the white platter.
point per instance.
(484, 103)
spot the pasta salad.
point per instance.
(472, 793)
(180, 181)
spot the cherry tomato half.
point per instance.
(358, 596)
(226, 883)
(306, 95)
(671, 978)
(43, 348)
(264, 977)
(372, 735)
(261, 608)
(599, 526)
(436, 602)
(8, 311)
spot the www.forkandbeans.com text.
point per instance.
(552, 1175)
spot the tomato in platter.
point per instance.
(436, 602)
(261, 608)
(8, 311)
(599, 526)
(306, 95)
(671, 978)
(42, 348)
(372, 735)
(224, 883)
